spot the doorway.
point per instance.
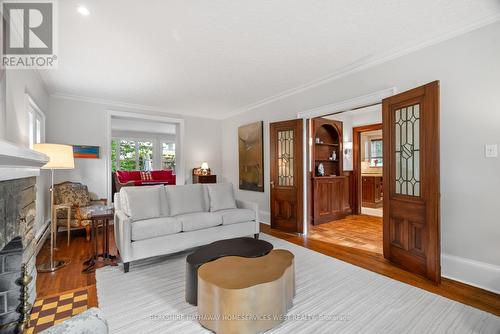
(408, 188)
(349, 214)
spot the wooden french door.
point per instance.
(286, 175)
(411, 180)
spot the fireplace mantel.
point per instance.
(19, 162)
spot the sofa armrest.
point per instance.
(123, 234)
(249, 205)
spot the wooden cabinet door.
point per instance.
(411, 180)
(287, 176)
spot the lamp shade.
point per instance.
(204, 165)
(60, 156)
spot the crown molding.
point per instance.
(367, 63)
(350, 104)
(111, 104)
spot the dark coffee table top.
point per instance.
(244, 247)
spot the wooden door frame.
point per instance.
(299, 151)
(356, 163)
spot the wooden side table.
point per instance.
(54, 220)
(100, 218)
(204, 178)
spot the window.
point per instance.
(145, 155)
(168, 156)
(127, 155)
(376, 153)
(36, 123)
(142, 154)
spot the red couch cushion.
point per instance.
(142, 178)
(125, 176)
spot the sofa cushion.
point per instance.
(155, 227)
(235, 216)
(199, 220)
(141, 202)
(186, 199)
(221, 196)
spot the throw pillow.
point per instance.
(141, 202)
(221, 196)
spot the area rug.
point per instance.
(50, 311)
(332, 297)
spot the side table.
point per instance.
(99, 218)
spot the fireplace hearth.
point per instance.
(17, 246)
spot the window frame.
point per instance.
(372, 157)
(157, 150)
(35, 117)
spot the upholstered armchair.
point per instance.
(82, 204)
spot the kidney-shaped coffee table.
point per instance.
(243, 247)
(246, 295)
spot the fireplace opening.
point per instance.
(10, 270)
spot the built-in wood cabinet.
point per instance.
(329, 185)
(371, 191)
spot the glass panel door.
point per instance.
(286, 158)
(407, 150)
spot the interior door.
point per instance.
(286, 176)
(411, 180)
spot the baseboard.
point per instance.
(479, 274)
(41, 240)
(265, 217)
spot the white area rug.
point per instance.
(337, 296)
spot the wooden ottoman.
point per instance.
(246, 295)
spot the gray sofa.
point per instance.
(159, 220)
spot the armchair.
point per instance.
(82, 204)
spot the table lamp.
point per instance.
(60, 157)
(204, 168)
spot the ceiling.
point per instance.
(213, 58)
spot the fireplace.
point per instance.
(17, 246)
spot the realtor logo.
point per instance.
(28, 35)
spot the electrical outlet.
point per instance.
(491, 150)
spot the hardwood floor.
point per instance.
(361, 232)
(466, 294)
(71, 277)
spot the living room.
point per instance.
(199, 164)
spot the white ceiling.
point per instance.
(213, 58)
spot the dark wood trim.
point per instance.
(295, 193)
(356, 164)
(457, 291)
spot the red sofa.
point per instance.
(139, 178)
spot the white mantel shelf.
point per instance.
(18, 162)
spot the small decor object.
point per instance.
(321, 169)
(86, 152)
(251, 156)
(334, 155)
(24, 307)
(318, 140)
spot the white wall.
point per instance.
(469, 70)
(84, 123)
(18, 83)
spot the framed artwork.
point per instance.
(251, 156)
(86, 152)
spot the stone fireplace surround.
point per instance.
(18, 170)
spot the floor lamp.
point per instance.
(60, 157)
